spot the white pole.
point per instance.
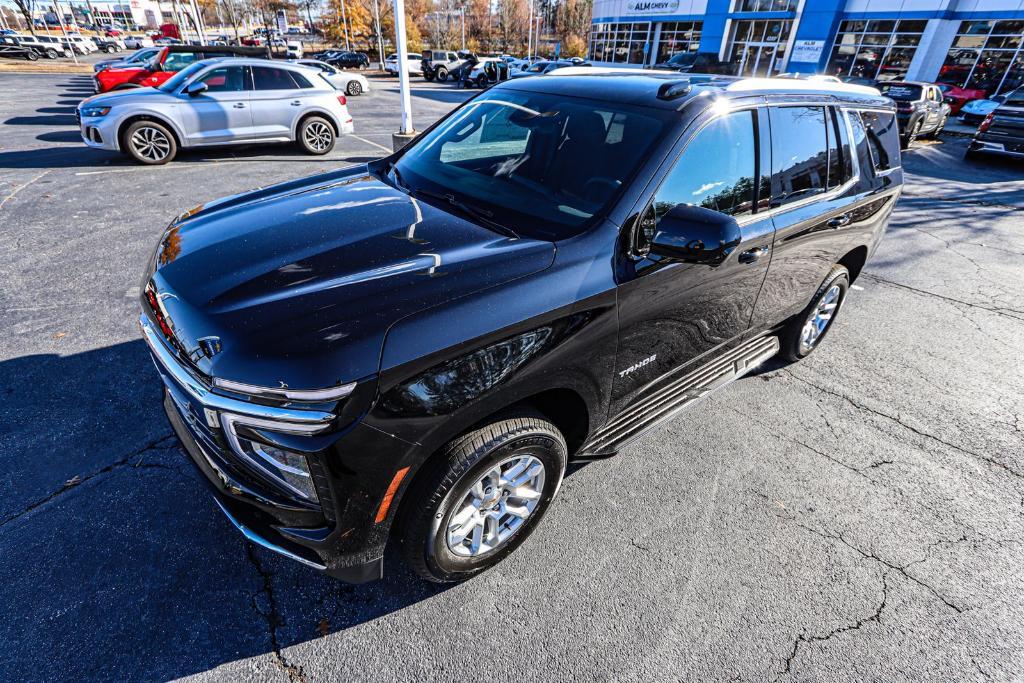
(529, 34)
(403, 68)
(344, 25)
(60, 20)
(462, 13)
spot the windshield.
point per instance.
(175, 81)
(539, 66)
(539, 164)
(682, 58)
(901, 92)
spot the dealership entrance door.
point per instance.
(759, 46)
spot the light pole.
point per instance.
(344, 25)
(380, 38)
(529, 34)
(406, 132)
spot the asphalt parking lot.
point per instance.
(857, 516)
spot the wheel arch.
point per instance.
(854, 261)
(316, 112)
(122, 128)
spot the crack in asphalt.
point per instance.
(1005, 312)
(898, 420)
(875, 617)
(272, 617)
(78, 481)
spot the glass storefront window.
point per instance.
(676, 37)
(986, 55)
(766, 6)
(619, 43)
(875, 50)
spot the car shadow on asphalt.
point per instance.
(116, 562)
(45, 120)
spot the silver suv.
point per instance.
(218, 102)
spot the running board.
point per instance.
(668, 401)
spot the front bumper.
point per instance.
(98, 132)
(340, 533)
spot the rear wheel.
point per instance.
(150, 143)
(31, 56)
(354, 88)
(483, 498)
(51, 54)
(806, 331)
(316, 135)
(481, 81)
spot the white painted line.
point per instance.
(20, 188)
(371, 142)
(857, 287)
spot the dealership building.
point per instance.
(969, 43)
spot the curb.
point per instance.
(36, 68)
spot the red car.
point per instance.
(165, 64)
(956, 97)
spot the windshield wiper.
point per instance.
(475, 212)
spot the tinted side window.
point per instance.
(225, 79)
(715, 171)
(176, 61)
(860, 143)
(845, 148)
(799, 153)
(300, 80)
(267, 78)
(883, 138)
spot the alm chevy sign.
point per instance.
(651, 6)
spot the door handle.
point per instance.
(839, 221)
(239, 105)
(752, 255)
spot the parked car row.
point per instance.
(53, 47)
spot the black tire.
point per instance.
(442, 75)
(934, 135)
(316, 136)
(51, 54)
(164, 146)
(481, 81)
(31, 56)
(354, 88)
(438, 492)
(793, 348)
(110, 49)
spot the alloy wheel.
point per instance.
(150, 143)
(820, 318)
(318, 136)
(496, 506)
(354, 88)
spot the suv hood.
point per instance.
(300, 282)
(129, 96)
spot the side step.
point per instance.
(668, 401)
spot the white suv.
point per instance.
(218, 102)
(49, 46)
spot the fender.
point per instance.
(319, 111)
(161, 118)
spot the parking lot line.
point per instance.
(370, 142)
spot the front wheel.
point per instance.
(31, 56)
(481, 81)
(442, 75)
(150, 143)
(316, 135)
(483, 498)
(805, 332)
(51, 54)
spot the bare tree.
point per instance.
(26, 8)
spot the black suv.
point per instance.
(1002, 131)
(695, 62)
(411, 350)
(920, 109)
(346, 60)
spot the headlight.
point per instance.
(284, 467)
(93, 112)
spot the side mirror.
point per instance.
(193, 89)
(693, 234)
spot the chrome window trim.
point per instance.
(286, 420)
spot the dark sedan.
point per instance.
(1002, 131)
